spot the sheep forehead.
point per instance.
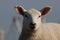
(34, 12)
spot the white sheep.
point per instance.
(34, 28)
(17, 23)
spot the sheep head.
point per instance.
(32, 17)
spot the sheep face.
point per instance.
(32, 18)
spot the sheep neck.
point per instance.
(30, 35)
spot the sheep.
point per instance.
(3, 31)
(33, 27)
(17, 23)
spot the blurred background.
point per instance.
(8, 29)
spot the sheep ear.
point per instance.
(45, 10)
(20, 10)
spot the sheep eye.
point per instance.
(39, 16)
(26, 16)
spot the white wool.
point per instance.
(48, 31)
(34, 11)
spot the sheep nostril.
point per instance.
(32, 25)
